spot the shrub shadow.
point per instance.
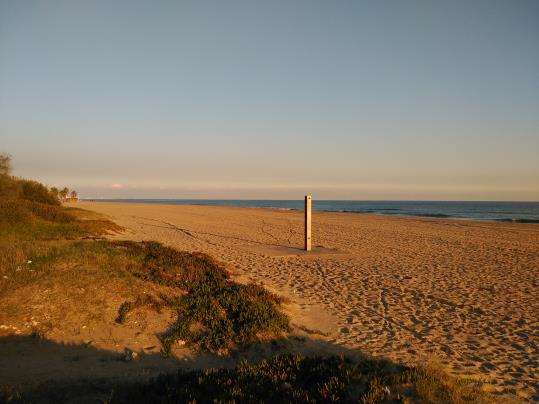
(37, 370)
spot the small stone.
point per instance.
(181, 342)
(345, 330)
(29, 262)
(130, 356)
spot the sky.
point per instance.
(425, 100)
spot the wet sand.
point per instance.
(464, 293)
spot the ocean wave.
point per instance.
(516, 220)
(438, 215)
(349, 211)
(395, 212)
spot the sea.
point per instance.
(518, 212)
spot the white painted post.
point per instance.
(307, 222)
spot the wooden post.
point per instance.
(307, 222)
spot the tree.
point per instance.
(5, 164)
(74, 194)
(36, 192)
(64, 193)
(55, 192)
(8, 186)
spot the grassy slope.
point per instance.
(213, 314)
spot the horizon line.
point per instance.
(314, 199)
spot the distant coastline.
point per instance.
(509, 212)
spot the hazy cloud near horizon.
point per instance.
(248, 99)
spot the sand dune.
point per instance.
(465, 293)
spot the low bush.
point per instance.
(27, 220)
(294, 378)
(214, 313)
(288, 378)
(36, 192)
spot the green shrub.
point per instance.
(167, 266)
(214, 313)
(126, 307)
(293, 378)
(36, 192)
(288, 378)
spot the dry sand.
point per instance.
(462, 292)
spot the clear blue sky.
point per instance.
(273, 99)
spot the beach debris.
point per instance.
(130, 355)
(5, 277)
(29, 262)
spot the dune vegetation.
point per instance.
(214, 314)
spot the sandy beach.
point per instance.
(463, 293)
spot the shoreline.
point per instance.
(462, 292)
(318, 211)
(189, 202)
